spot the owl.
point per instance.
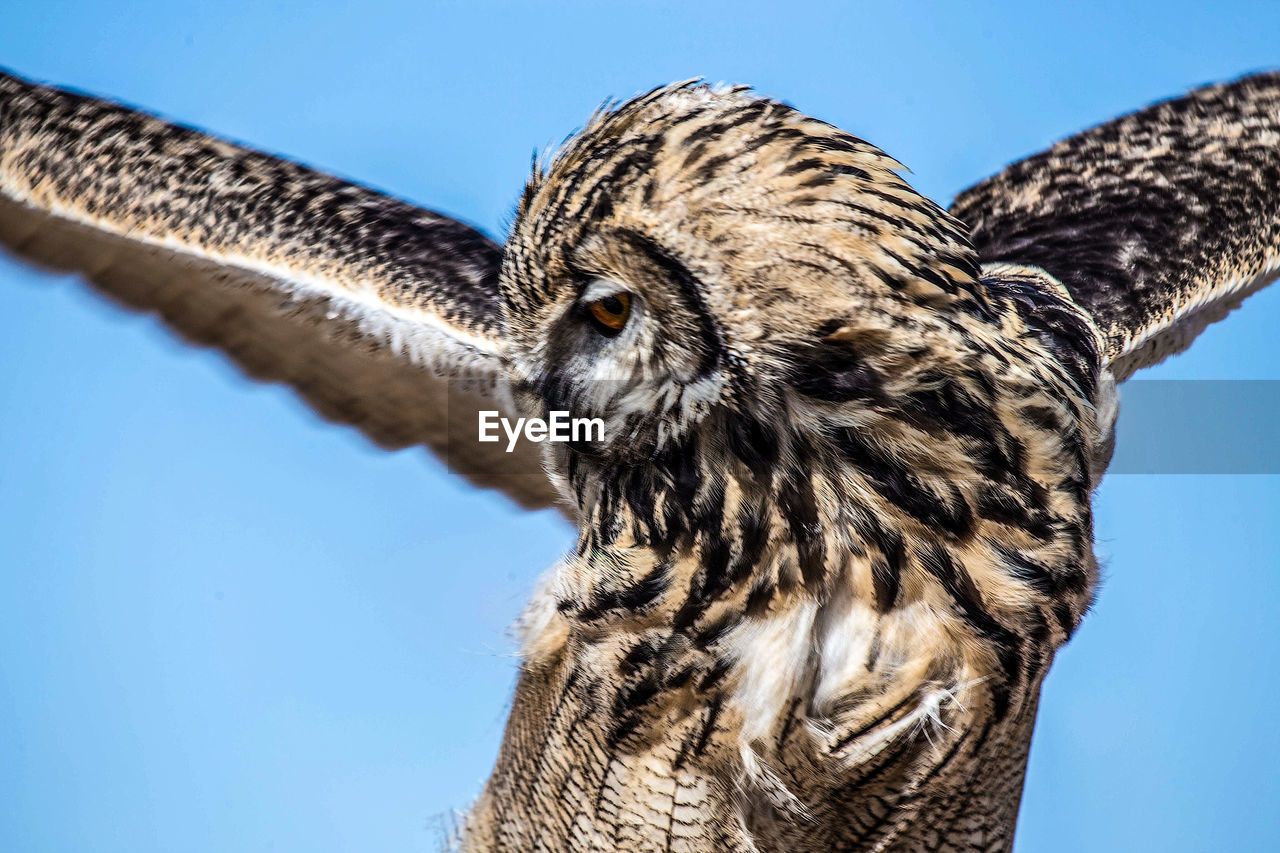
(829, 448)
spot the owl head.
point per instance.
(700, 251)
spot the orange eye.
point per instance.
(610, 314)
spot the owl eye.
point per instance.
(610, 314)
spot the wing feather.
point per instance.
(1158, 223)
(379, 314)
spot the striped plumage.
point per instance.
(840, 521)
(846, 547)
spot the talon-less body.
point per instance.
(840, 519)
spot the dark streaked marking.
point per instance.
(800, 508)
(853, 270)
(960, 586)
(886, 569)
(698, 744)
(710, 168)
(892, 715)
(1043, 417)
(1065, 617)
(1003, 507)
(708, 582)
(728, 120)
(679, 678)
(789, 720)
(637, 490)
(715, 632)
(831, 326)
(640, 655)
(631, 598)
(851, 171)
(886, 582)
(754, 443)
(896, 483)
(753, 533)
(760, 596)
(1035, 575)
(950, 409)
(608, 523)
(674, 526)
(873, 651)
(833, 372)
(680, 465)
(637, 695)
(717, 672)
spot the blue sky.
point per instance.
(227, 625)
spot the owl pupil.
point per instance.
(609, 313)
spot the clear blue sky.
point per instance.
(225, 625)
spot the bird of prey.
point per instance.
(836, 520)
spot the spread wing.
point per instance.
(1158, 223)
(378, 313)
